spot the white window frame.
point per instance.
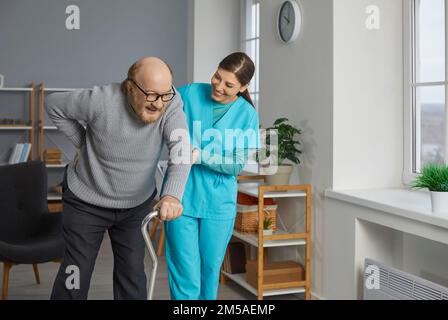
(247, 19)
(411, 131)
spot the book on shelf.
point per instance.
(20, 153)
(25, 152)
(53, 156)
(14, 154)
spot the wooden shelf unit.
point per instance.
(278, 239)
(30, 128)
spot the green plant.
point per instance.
(287, 142)
(267, 223)
(434, 177)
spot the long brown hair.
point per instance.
(242, 66)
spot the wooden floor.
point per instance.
(22, 285)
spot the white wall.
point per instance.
(214, 33)
(296, 82)
(368, 96)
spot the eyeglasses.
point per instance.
(153, 97)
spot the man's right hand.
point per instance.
(170, 208)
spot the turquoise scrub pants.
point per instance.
(195, 250)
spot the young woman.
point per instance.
(223, 126)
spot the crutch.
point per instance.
(151, 250)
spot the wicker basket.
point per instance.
(247, 213)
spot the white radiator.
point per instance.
(382, 282)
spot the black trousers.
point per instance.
(84, 226)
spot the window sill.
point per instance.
(414, 205)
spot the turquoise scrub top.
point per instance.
(209, 193)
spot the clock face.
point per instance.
(288, 21)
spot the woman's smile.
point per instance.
(217, 93)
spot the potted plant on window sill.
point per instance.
(285, 150)
(435, 178)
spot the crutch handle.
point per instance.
(151, 250)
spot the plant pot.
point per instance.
(267, 232)
(281, 177)
(439, 202)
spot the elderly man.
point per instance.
(110, 185)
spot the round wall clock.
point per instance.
(289, 21)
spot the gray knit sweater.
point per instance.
(118, 154)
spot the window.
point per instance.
(250, 42)
(426, 84)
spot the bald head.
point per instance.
(151, 67)
(149, 75)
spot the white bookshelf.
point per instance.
(63, 89)
(49, 166)
(12, 127)
(50, 128)
(251, 189)
(52, 196)
(252, 239)
(12, 89)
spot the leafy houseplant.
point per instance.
(286, 150)
(267, 222)
(435, 178)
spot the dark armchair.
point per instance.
(29, 234)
